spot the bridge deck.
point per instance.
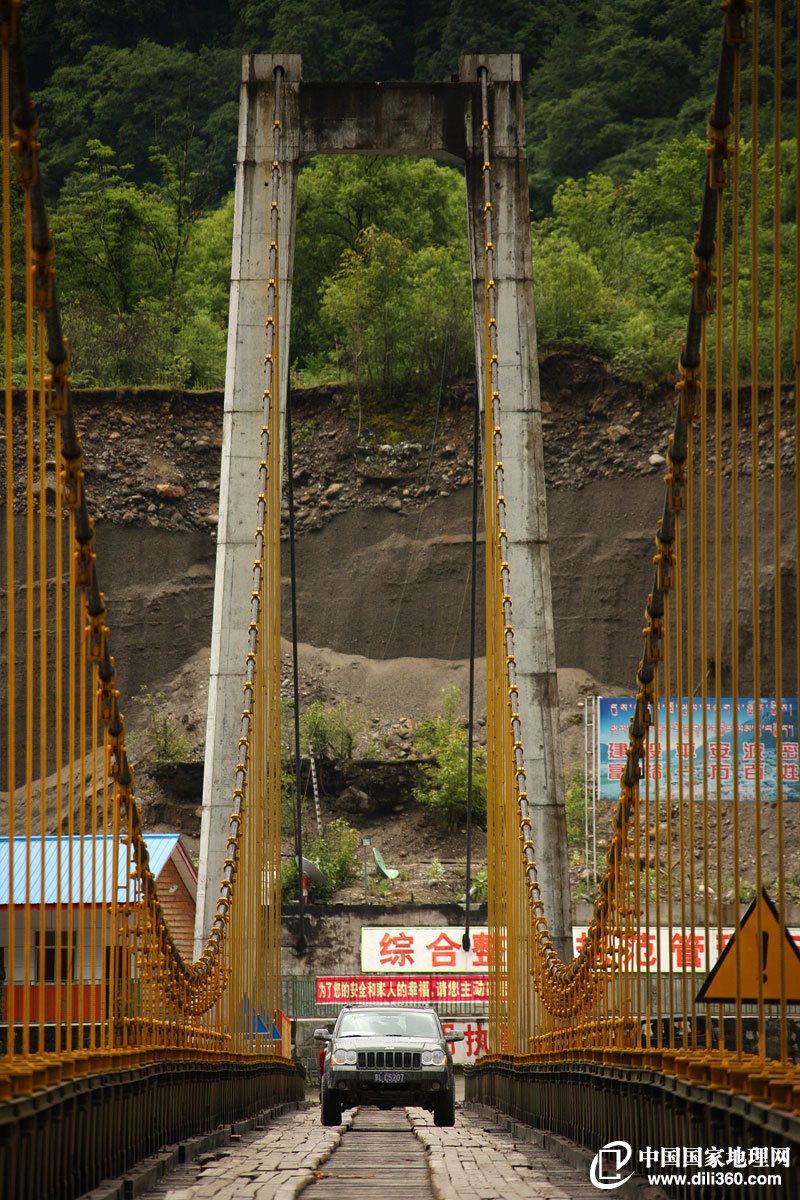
(377, 1155)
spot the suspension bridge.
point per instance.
(115, 1041)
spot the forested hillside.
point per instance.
(138, 107)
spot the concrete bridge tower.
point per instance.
(389, 118)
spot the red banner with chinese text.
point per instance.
(391, 989)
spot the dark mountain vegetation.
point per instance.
(138, 105)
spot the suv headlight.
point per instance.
(433, 1058)
(344, 1058)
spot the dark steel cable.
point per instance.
(476, 438)
(425, 491)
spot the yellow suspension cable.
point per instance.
(777, 554)
(755, 548)
(133, 988)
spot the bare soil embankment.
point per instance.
(383, 553)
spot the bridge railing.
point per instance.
(90, 972)
(705, 830)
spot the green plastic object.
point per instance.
(381, 867)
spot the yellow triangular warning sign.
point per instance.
(758, 952)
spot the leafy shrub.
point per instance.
(569, 292)
(200, 346)
(333, 729)
(445, 787)
(404, 316)
(336, 853)
(163, 739)
(638, 353)
(480, 885)
(575, 805)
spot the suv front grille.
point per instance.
(389, 1058)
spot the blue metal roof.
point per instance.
(93, 886)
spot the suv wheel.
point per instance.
(331, 1107)
(444, 1108)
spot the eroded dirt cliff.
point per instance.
(383, 519)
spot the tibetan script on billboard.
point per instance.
(686, 740)
(416, 948)
(391, 989)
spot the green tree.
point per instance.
(765, 297)
(59, 31)
(611, 264)
(108, 273)
(338, 39)
(445, 787)
(666, 195)
(135, 98)
(203, 291)
(335, 42)
(99, 230)
(137, 309)
(336, 854)
(609, 275)
(616, 81)
(569, 292)
(365, 300)
(403, 316)
(339, 196)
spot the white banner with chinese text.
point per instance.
(475, 1041)
(423, 948)
(676, 949)
(432, 949)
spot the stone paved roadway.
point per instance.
(275, 1163)
(475, 1160)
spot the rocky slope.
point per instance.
(383, 518)
(152, 455)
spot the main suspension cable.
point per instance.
(476, 443)
(301, 940)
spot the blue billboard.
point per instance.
(706, 751)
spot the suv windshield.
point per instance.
(388, 1024)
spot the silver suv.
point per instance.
(388, 1057)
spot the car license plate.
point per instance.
(389, 1077)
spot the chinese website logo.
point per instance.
(712, 1166)
(608, 1164)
